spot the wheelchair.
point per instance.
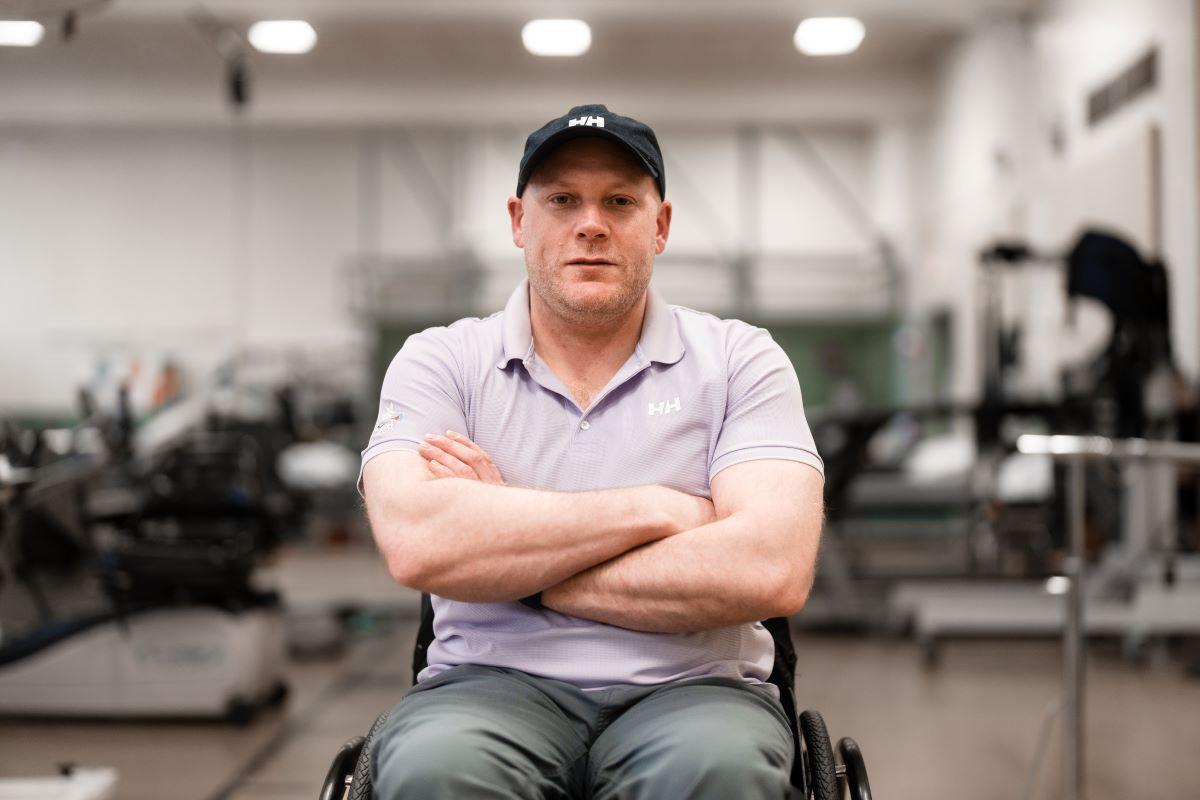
(816, 772)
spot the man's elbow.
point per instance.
(400, 526)
(791, 592)
(402, 540)
(408, 569)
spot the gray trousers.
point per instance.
(488, 732)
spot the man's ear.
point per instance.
(516, 213)
(663, 228)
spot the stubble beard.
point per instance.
(590, 312)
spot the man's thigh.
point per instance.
(714, 738)
(480, 732)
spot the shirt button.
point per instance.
(583, 426)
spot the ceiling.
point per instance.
(143, 61)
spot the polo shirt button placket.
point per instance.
(583, 426)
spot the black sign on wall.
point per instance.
(1136, 80)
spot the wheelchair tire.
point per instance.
(856, 769)
(818, 754)
(360, 787)
(343, 763)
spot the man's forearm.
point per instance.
(721, 574)
(484, 543)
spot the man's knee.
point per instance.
(435, 762)
(708, 757)
(715, 752)
(703, 771)
(440, 759)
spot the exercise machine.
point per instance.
(173, 625)
(1139, 591)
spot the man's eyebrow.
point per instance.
(621, 183)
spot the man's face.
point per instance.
(590, 222)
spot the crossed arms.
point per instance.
(644, 557)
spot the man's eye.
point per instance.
(622, 201)
(560, 200)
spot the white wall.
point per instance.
(144, 238)
(974, 144)
(124, 246)
(138, 243)
(1082, 44)
(993, 172)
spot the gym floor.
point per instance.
(972, 728)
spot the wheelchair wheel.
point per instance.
(818, 754)
(360, 788)
(343, 763)
(856, 769)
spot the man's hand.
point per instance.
(456, 456)
(756, 562)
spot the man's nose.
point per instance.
(591, 223)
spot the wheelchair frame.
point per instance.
(816, 773)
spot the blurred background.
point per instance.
(966, 222)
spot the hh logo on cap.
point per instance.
(595, 122)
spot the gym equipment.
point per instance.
(816, 775)
(911, 496)
(1138, 591)
(177, 628)
(1110, 394)
(1184, 605)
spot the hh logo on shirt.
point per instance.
(665, 407)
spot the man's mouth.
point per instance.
(590, 262)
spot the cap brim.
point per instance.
(578, 132)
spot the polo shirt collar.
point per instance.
(660, 340)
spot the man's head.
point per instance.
(590, 215)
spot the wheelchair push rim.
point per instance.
(824, 776)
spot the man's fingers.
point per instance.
(457, 467)
(487, 460)
(482, 458)
(482, 463)
(439, 470)
(458, 437)
(472, 455)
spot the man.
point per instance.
(604, 494)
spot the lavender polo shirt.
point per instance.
(698, 394)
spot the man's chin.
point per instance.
(594, 299)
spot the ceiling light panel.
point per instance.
(282, 36)
(557, 37)
(829, 36)
(20, 33)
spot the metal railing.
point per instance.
(1076, 451)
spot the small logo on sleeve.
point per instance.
(665, 407)
(388, 418)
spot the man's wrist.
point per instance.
(643, 514)
(562, 597)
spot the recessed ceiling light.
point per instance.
(557, 37)
(282, 36)
(20, 33)
(829, 36)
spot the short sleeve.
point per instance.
(764, 412)
(422, 393)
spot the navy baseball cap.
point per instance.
(598, 121)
